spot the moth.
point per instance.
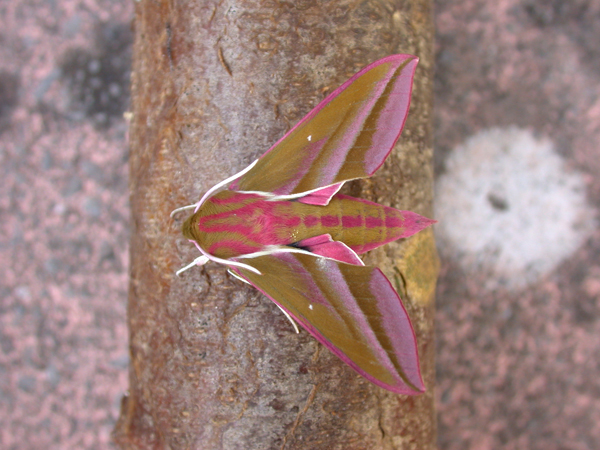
(282, 226)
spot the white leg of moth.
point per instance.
(289, 318)
(199, 261)
(235, 275)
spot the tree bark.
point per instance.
(214, 364)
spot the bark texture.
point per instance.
(214, 365)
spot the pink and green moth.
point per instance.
(282, 227)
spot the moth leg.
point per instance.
(235, 275)
(289, 318)
(199, 261)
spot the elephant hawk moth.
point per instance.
(282, 226)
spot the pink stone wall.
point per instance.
(518, 360)
(64, 220)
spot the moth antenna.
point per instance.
(274, 249)
(183, 208)
(196, 206)
(223, 183)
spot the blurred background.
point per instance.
(517, 127)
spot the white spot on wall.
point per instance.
(508, 205)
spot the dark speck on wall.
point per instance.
(97, 79)
(9, 97)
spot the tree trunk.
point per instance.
(214, 364)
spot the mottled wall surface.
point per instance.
(517, 132)
(64, 221)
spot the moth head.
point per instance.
(190, 227)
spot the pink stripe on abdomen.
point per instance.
(232, 247)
